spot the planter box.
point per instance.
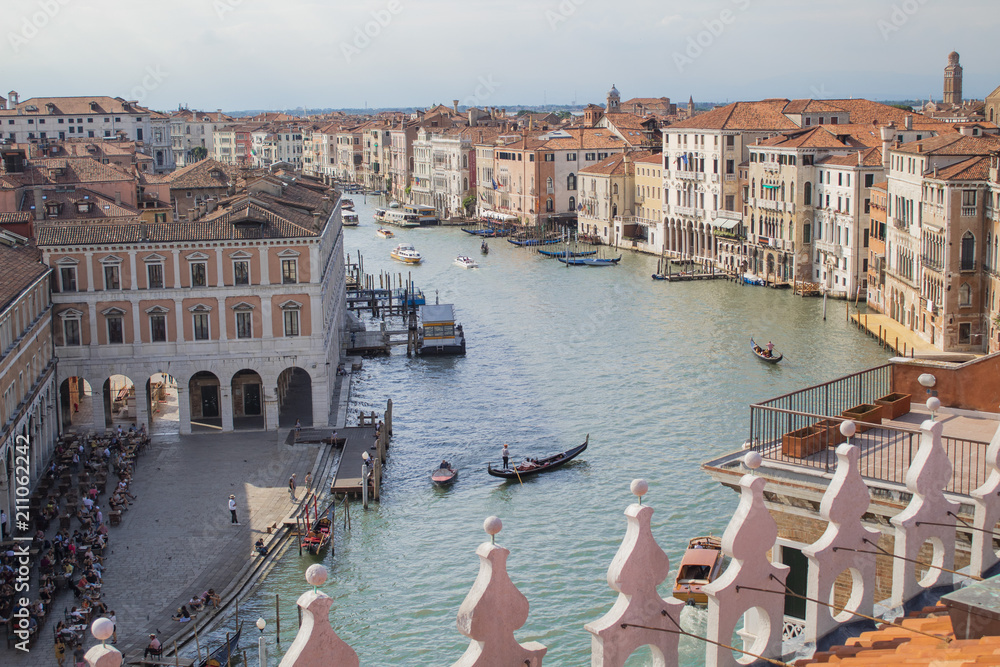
(832, 428)
(866, 412)
(803, 442)
(894, 406)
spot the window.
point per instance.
(549, 205)
(548, 185)
(67, 279)
(158, 327)
(968, 258)
(244, 324)
(200, 325)
(807, 233)
(71, 331)
(241, 272)
(111, 277)
(116, 333)
(571, 182)
(571, 157)
(965, 332)
(154, 274)
(730, 166)
(288, 272)
(199, 274)
(572, 203)
(291, 321)
(550, 157)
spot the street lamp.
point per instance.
(261, 645)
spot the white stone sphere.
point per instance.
(848, 428)
(933, 403)
(752, 460)
(492, 525)
(102, 628)
(316, 575)
(639, 487)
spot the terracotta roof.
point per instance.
(200, 175)
(763, 115)
(74, 106)
(810, 106)
(104, 207)
(652, 158)
(64, 171)
(820, 136)
(19, 217)
(973, 169)
(871, 157)
(618, 164)
(20, 266)
(953, 144)
(867, 111)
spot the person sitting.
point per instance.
(259, 547)
(445, 465)
(154, 648)
(210, 596)
(183, 615)
(196, 603)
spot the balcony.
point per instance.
(691, 175)
(715, 178)
(730, 177)
(968, 211)
(899, 223)
(729, 215)
(932, 263)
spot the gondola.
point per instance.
(484, 248)
(589, 261)
(221, 655)
(762, 354)
(444, 476)
(539, 465)
(317, 538)
(489, 233)
(534, 242)
(659, 276)
(563, 253)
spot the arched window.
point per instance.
(571, 182)
(782, 192)
(465, 161)
(965, 295)
(548, 185)
(614, 189)
(549, 205)
(968, 260)
(465, 184)
(572, 203)
(753, 187)
(614, 210)
(807, 194)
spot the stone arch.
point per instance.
(295, 394)
(204, 391)
(248, 400)
(76, 403)
(162, 404)
(119, 401)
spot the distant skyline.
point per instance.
(261, 54)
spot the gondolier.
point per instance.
(505, 454)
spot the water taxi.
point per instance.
(700, 565)
(349, 219)
(406, 253)
(396, 217)
(425, 215)
(347, 204)
(439, 335)
(466, 262)
(384, 233)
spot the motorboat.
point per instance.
(466, 262)
(384, 233)
(700, 566)
(349, 219)
(438, 333)
(347, 204)
(406, 253)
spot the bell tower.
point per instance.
(953, 81)
(614, 99)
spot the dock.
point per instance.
(685, 277)
(358, 440)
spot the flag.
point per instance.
(684, 158)
(495, 184)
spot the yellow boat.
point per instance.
(700, 565)
(406, 254)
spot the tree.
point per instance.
(198, 153)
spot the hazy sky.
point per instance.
(243, 54)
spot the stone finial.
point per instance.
(751, 533)
(103, 655)
(927, 477)
(844, 504)
(316, 643)
(493, 610)
(637, 569)
(987, 501)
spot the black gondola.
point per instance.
(539, 465)
(764, 355)
(221, 655)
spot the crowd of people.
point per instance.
(68, 557)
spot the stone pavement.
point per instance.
(176, 539)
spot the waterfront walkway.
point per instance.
(893, 335)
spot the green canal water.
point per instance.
(659, 374)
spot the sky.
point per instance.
(285, 54)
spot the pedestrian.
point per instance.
(298, 426)
(76, 461)
(78, 656)
(114, 627)
(506, 455)
(309, 480)
(232, 509)
(291, 486)
(60, 651)
(3, 525)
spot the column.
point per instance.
(226, 406)
(184, 409)
(179, 313)
(271, 408)
(88, 266)
(265, 272)
(177, 269)
(134, 281)
(92, 321)
(218, 263)
(265, 317)
(222, 318)
(142, 407)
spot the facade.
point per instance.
(230, 310)
(28, 424)
(876, 247)
(192, 134)
(645, 228)
(607, 199)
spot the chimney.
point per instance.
(454, 105)
(886, 133)
(39, 203)
(861, 159)
(218, 115)
(317, 219)
(210, 204)
(908, 122)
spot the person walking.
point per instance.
(232, 509)
(308, 480)
(506, 455)
(291, 486)
(60, 651)
(114, 626)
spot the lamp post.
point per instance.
(261, 645)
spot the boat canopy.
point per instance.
(503, 217)
(438, 313)
(700, 557)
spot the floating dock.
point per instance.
(358, 439)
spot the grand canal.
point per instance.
(660, 375)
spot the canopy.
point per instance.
(725, 223)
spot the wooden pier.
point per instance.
(685, 277)
(370, 438)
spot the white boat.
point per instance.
(397, 217)
(425, 215)
(350, 219)
(384, 233)
(438, 332)
(394, 204)
(466, 262)
(406, 253)
(347, 204)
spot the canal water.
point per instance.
(659, 375)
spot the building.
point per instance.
(194, 188)
(223, 315)
(28, 424)
(953, 81)
(876, 246)
(645, 229)
(608, 199)
(192, 134)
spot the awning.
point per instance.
(725, 223)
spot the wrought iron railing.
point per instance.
(803, 429)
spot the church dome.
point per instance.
(953, 58)
(613, 92)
